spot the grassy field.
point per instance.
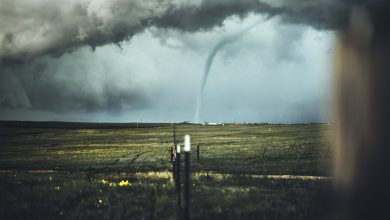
(118, 171)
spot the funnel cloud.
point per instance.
(209, 61)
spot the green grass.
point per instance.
(73, 171)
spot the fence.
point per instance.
(176, 170)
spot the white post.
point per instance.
(187, 143)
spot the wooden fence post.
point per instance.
(264, 152)
(174, 164)
(197, 152)
(171, 152)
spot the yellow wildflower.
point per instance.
(124, 183)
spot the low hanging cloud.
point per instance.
(75, 82)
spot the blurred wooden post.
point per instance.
(362, 113)
(177, 179)
(187, 149)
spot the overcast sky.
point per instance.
(127, 60)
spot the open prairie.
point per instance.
(115, 171)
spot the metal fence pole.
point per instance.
(187, 149)
(177, 180)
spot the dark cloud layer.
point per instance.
(34, 28)
(33, 33)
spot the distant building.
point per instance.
(212, 123)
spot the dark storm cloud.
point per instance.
(33, 31)
(32, 28)
(212, 13)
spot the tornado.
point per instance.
(209, 62)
